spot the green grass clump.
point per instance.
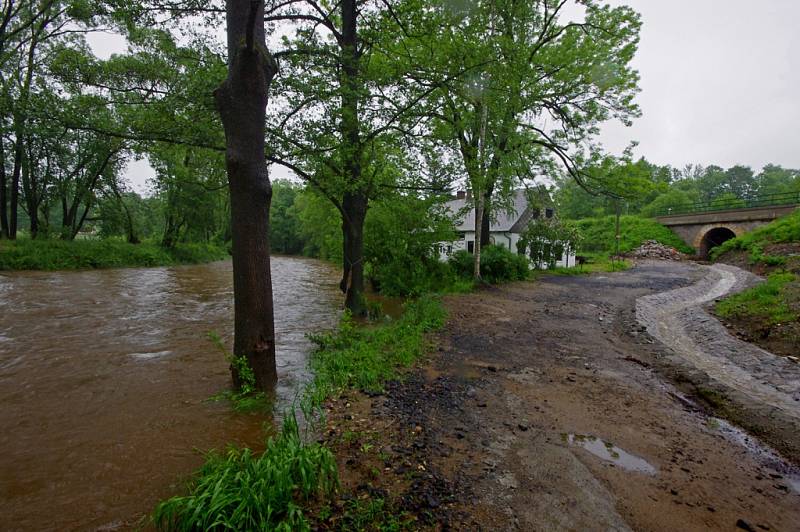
(373, 514)
(25, 254)
(767, 302)
(241, 491)
(598, 234)
(365, 358)
(782, 230)
(597, 264)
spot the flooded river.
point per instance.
(105, 378)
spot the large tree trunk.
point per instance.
(20, 120)
(14, 196)
(488, 211)
(242, 100)
(354, 213)
(30, 184)
(354, 201)
(480, 193)
(3, 190)
(479, 210)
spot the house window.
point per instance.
(548, 213)
(471, 246)
(449, 250)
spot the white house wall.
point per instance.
(507, 240)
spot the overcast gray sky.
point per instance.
(720, 84)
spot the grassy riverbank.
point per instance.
(91, 254)
(243, 491)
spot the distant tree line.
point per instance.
(649, 189)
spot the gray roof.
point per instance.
(512, 221)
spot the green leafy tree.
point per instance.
(546, 241)
(536, 92)
(284, 221)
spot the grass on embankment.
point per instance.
(764, 245)
(768, 302)
(768, 314)
(598, 235)
(27, 254)
(242, 491)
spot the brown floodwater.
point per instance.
(105, 380)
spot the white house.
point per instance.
(505, 229)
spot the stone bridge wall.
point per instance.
(693, 228)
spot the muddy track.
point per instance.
(548, 407)
(678, 320)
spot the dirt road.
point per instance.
(548, 406)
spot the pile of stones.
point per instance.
(650, 249)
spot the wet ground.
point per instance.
(548, 406)
(105, 378)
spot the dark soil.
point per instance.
(497, 431)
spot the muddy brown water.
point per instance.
(105, 378)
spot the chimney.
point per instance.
(461, 194)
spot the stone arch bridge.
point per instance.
(708, 229)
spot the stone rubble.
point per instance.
(651, 249)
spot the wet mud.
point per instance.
(547, 406)
(105, 380)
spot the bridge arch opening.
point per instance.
(715, 237)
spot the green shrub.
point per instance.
(241, 491)
(498, 265)
(412, 277)
(599, 234)
(463, 263)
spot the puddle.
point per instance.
(610, 453)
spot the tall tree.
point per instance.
(242, 101)
(541, 88)
(348, 88)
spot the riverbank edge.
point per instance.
(353, 358)
(57, 255)
(358, 361)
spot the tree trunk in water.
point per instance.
(354, 201)
(241, 101)
(355, 212)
